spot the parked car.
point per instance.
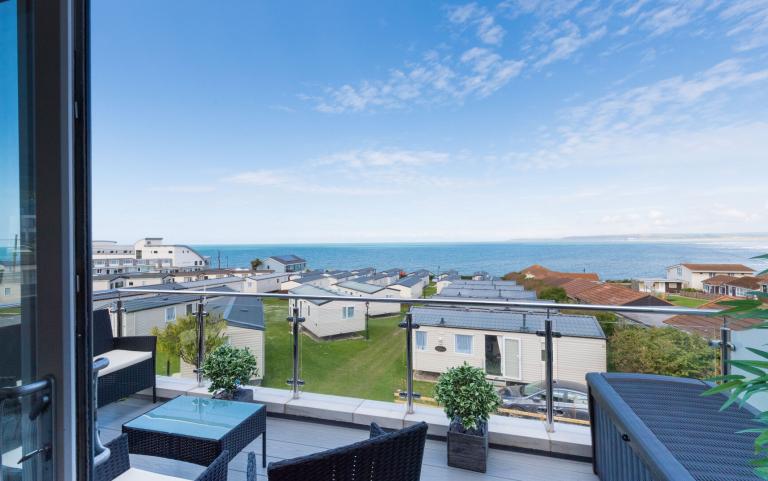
(571, 400)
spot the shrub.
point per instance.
(466, 395)
(661, 350)
(556, 294)
(227, 368)
(179, 338)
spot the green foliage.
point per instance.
(180, 337)
(256, 263)
(742, 388)
(661, 350)
(556, 294)
(744, 309)
(228, 367)
(609, 322)
(466, 395)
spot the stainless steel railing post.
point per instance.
(409, 326)
(725, 348)
(120, 311)
(548, 334)
(295, 382)
(200, 341)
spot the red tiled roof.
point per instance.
(719, 267)
(709, 327)
(746, 282)
(613, 295)
(540, 272)
(718, 280)
(575, 286)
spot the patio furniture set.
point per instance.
(210, 432)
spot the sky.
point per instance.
(270, 122)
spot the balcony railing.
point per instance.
(548, 333)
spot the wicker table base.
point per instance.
(197, 437)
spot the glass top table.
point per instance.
(196, 429)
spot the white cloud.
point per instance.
(568, 42)
(257, 178)
(384, 158)
(436, 79)
(490, 71)
(749, 22)
(184, 189)
(488, 31)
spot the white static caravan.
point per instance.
(245, 329)
(265, 282)
(505, 344)
(328, 318)
(361, 289)
(410, 287)
(141, 314)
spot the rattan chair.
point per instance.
(118, 466)
(394, 456)
(128, 380)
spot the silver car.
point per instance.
(571, 400)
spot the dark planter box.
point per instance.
(242, 395)
(467, 450)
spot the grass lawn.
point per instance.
(369, 369)
(686, 301)
(10, 311)
(160, 363)
(430, 290)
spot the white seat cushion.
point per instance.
(134, 474)
(120, 359)
(12, 457)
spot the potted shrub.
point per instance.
(468, 399)
(228, 368)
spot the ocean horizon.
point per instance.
(609, 259)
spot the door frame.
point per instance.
(63, 225)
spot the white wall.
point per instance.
(326, 320)
(264, 283)
(574, 357)
(376, 308)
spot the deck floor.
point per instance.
(288, 438)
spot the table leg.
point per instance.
(264, 449)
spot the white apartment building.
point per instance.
(693, 275)
(149, 254)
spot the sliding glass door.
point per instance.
(26, 395)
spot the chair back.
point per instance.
(103, 339)
(395, 456)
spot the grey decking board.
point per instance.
(288, 438)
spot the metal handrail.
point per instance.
(435, 301)
(547, 333)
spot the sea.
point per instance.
(609, 259)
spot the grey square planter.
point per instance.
(467, 451)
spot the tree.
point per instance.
(180, 337)
(556, 294)
(256, 263)
(660, 350)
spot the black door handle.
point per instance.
(44, 450)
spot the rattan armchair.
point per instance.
(128, 380)
(118, 465)
(394, 456)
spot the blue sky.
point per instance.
(428, 121)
